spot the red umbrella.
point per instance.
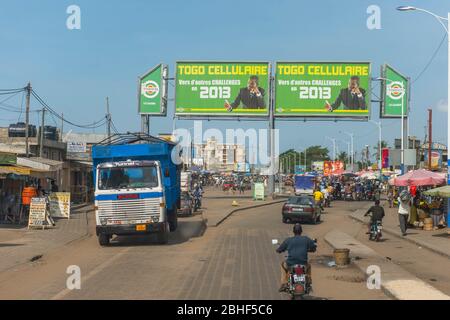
(419, 177)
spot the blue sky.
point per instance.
(74, 70)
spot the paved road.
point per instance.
(233, 261)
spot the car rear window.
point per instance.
(306, 201)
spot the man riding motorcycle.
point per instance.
(297, 247)
(318, 198)
(377, 212)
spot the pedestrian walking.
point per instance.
(404, 206)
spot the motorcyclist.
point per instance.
(377, 212)
(197, 194)
(297, 247)
(318, 198)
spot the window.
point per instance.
(127, 177)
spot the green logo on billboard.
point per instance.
(150, 89)
(395, 90)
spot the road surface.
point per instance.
(235, 260)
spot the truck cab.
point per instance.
(137, 189)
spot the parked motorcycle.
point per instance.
(359, 196)
(348, 196)
(375, 231)
(369, 195)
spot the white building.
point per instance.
(215, 156)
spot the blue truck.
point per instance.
(304, 184)
(137, 187)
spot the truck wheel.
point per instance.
(103, 239)
(163, 235)
(173, 222)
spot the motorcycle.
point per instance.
(375, 231)
(197, 203)
(369, 195)
(299, 283)
(348, 196)
(327, 202)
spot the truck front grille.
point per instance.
(128, 210)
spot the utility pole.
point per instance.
(430, 136)
(27, 120)
(108, 119)
(62, 127)
(41, 136)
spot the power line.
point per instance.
(431, 59)
(94, 125)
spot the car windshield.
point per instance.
(128, 177)
(305, 201)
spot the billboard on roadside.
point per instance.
(394, 93)
(322, 89)
(222, 89)
(333, 167)
(152, 94)
(317, 165)
(436, 159)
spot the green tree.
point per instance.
(343, 156)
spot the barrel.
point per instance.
(27, 194)
(428, 224)
(342, 256)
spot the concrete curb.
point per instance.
(245, 208)
(396, 234)
(395, 281)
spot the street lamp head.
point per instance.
(406, 8)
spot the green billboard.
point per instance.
(322, 89)
(152, 94)
(222, 89)
(394, 93)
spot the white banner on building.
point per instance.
(76, 147)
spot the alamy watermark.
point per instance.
(73, 21)
(73, 281)
(374, 20)
(256, 141)
(374, 277)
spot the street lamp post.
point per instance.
(378, 124)
(348, 151)
(447, 29)
(334, 147)
(352, 159)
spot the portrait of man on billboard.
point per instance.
(251, 97)
(353, 97)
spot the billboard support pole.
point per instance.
(271, 181)
(430, 139)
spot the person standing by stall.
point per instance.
(404, 206)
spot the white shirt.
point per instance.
(403, 206)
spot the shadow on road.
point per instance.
(186, 231)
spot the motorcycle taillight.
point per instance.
(298, 270)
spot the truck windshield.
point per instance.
(127, 177)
